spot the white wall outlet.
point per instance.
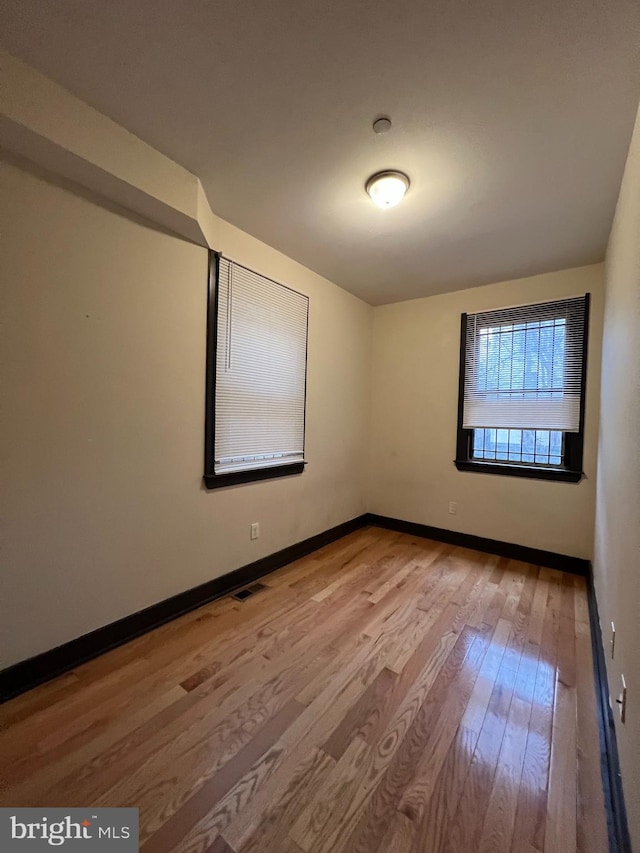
(453, 507)
(613, 640)
(255, 530)
(622, 700)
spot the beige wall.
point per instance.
(617, 540)
(102, 432)
(416, 348)
(45, 123)
(103, 508)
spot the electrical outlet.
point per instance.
(255, 530)
(453, 507)
(613, 640)
(622, 700)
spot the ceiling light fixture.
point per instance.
(387, 188)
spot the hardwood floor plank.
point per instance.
(198, 754)
(465, 828)
(532, 796)
(397, 573)
(484, 686)
(446, 714)
(171, 833)
(70, 771)
(311, 729)
(399, 835)
(416, 730)
(561, 824)
(310, 827)
(219, 846)
(386, 693)
(362, 717)
(306, 782)
(499, 822)
(592, 827)
(431, 832)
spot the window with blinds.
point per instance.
(522, 384)
(257, 366)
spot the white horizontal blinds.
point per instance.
(523, 367)
(260, 371)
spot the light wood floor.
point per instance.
(383, 694)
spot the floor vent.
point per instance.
(248, 591)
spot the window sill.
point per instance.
(559, 474)
(217, 481)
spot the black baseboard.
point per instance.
(618, 829)
(574, 565)
(43, 667)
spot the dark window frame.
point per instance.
(211, 479)
(573, 444)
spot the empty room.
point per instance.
(320, 514)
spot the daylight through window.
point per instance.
(522, 386)
(258, 381)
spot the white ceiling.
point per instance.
(512, 118)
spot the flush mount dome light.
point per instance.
(387, 188)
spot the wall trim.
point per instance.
(30, 673)
(36, 670)
(564, 562)
(617, 827)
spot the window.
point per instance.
(522, 390)
(256, 376)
